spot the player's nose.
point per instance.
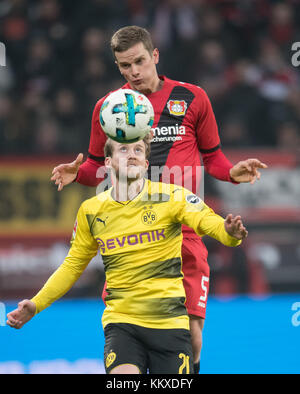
(135, 70)
(131, 154)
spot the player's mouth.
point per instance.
(137, 81)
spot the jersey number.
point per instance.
(203, 298)
(185, 363)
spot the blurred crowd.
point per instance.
(58, 64)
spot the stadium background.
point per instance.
(58, 64)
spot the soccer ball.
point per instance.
(126, 116)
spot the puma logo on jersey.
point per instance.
(102, 221)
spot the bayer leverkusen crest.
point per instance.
(177, 107)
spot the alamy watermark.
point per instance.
(2, 314)
(296, 56)
(296, 315)
(2, 54)
(188, 177)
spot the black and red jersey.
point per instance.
(184, 125)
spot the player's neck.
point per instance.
(154, 86)
(127, 190)
(157, 84)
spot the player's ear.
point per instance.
(117, 64)
(155, 55)
(107, 162)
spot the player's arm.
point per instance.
(92, 171)
(86, 173)
(84, 248)
(218, 166)
(215, 162)
(194, 213)
(229, 231)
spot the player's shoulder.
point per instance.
(181, 194)
(172, 192)
(95, 203)
(102, 99)
(196, 89)
(158, 191)
(155, 187)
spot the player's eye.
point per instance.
(139, 150)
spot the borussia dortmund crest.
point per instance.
(149, 217)
(110, 359)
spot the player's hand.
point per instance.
(20, 316)
(247, 171)
(234, 227)
(66, 173)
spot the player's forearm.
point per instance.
(213, 225)
(217, 165)
(89, 173)
(59, 283)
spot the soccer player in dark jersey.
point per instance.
(136, 226)
(184, 125)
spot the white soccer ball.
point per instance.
(126, 116)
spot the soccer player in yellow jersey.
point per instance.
(136, 225)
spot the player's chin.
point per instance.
(135, 172)
(141, 87)
(134, 175)
(137, 85)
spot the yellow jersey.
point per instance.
(140, 243)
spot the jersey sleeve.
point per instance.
(208, 140)
(91, 172)
(217, 165)
(98, 137)
(207, 133)
(88, 173)
(190, 210)
(83, 249)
